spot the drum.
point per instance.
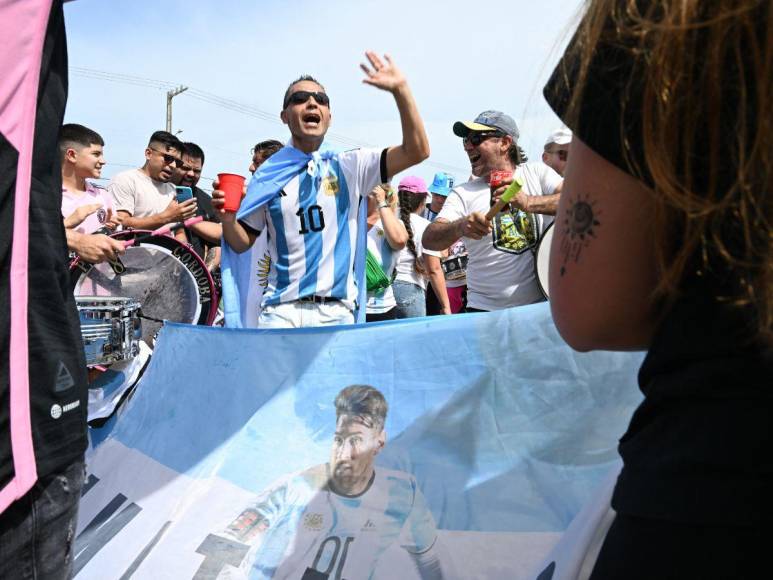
(166, 277)
(110, 328)
(542, 260)
(455, 267)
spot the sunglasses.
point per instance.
(300, 97)
(476, 138)
(563, 154)
(169, 159)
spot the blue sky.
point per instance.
(461, 57)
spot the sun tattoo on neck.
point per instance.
(580, 225)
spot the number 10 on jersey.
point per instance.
(312, 219)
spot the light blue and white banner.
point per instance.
(497, 436)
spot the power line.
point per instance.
(228, 104)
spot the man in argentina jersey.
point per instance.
(312, 222)
(312, 233)
(336, 520)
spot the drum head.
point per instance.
(542, 260)
(166, 277)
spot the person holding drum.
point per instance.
(500, 266)
(85, 207)
(307, 197)
(665, 244)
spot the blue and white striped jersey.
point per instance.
(300, 526)
(312, 228)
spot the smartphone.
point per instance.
(183, 193)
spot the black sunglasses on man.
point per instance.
(168, 159)
(475, 138)
(300, 97)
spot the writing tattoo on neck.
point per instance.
(580, 225)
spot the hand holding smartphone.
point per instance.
(183, 193)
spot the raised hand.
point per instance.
(382, 74)
(381, 192)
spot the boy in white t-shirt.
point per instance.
(85, 207)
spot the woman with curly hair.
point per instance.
(664, 242)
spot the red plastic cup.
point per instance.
(497, 177)
(232, 185)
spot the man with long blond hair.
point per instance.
(664, 243)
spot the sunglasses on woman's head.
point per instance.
(300, 97)
(476, 138)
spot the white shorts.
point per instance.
(299, 314)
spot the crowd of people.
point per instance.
(665, 244)
(431, 249)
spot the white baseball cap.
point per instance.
(560, 136)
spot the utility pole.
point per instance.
(169, 96)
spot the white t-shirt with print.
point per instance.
(136, 193)
(502, 277)
(405, 259)
(312, 228)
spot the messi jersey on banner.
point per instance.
(300, 528)
(312, 228)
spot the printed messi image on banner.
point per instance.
(515, 232)
(460, 461)
(335, 519)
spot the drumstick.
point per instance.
(509, 193)
(163, 230)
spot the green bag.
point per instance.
(376, 278)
